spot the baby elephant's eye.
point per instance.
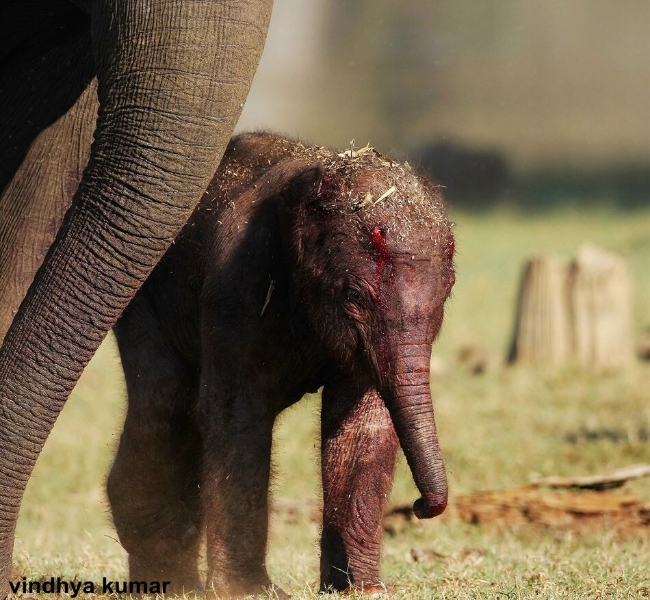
(352, 295)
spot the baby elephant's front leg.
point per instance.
(234, 491)
(358, 459)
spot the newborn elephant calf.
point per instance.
(301, 268)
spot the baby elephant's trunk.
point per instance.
(408, 398)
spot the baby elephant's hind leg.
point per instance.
(153, 484)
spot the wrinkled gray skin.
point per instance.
(171, 79)
(282, 281)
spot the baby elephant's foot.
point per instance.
(372, 590)
(275, 592)
(178, 577)
(268, 591)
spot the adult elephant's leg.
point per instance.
(358, 459)
(153, 484)
(48, 106)
(33, 204)
(45, 64)
(172, 77)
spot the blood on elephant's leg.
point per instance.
(359, 446)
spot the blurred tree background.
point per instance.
(526, 103)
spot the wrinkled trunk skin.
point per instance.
(407, 394)
(172, 77)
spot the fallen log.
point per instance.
(551, 503)
(611, 480)
(583, 511)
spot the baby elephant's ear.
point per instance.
(298, 186)
(293, 181)
(301, 182)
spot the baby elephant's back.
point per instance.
(172, 293)
(247, 157)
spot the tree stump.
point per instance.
(576, 313)
(541, 332)
(600, 309)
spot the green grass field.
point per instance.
(499, 429)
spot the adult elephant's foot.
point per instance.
(8, 572)
(5, 573)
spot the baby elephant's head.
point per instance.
(372, 253)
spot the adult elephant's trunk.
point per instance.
(172, 77)
(407, 394)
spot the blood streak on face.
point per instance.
(384, 263)
(384, 259)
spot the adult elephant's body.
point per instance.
(172, 77)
